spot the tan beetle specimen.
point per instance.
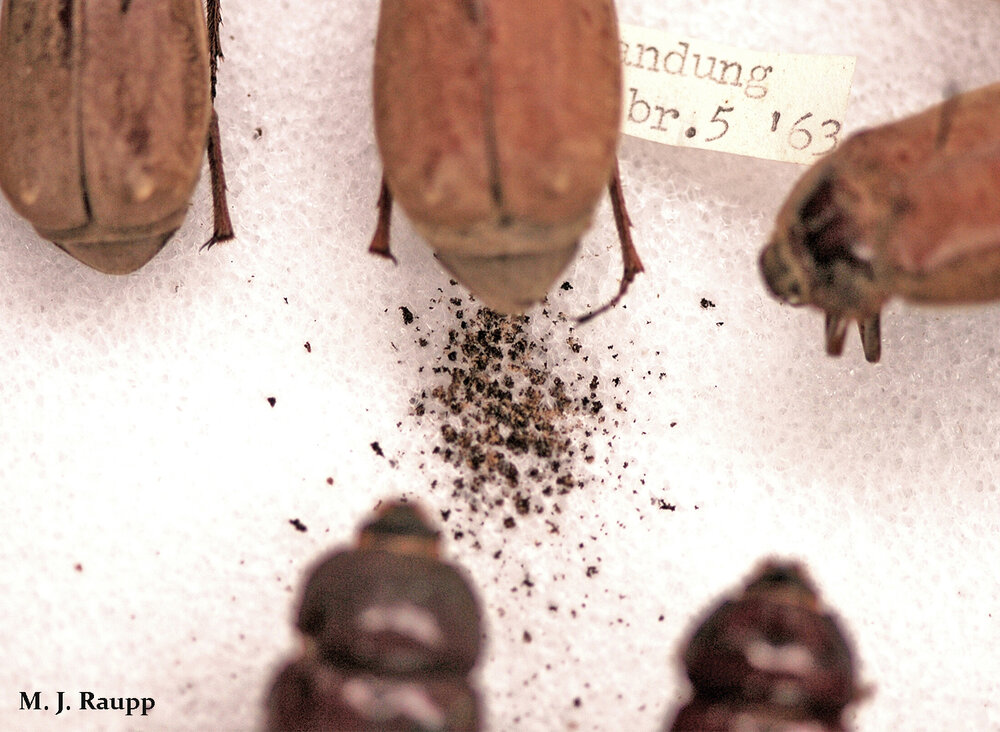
(911, 208)
(497, 122)
(105, 114)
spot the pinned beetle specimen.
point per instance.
(391, 636)
(497, 123)
(771, 659)
(105, 114)
(909, 209)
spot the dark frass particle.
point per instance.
(272, 401)
(522, 504)
(299, 526)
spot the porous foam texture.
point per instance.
(148, 547)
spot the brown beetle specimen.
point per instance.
(497, 123)
(106, 113)
(908, 209)
(391, 636)
(771, 659)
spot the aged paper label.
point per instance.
(779, 106)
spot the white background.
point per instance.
(137, 440)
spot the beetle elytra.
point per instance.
(497, 123)
(106, 114)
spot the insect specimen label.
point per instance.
(778, 106)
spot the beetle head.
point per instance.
(819, 256)
(787, 582)
(400, 528)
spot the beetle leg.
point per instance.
(222, 229)
(948, 109)
(213, 14)
(380, 239)
(631, 264)
(836, 331)
(871, 339)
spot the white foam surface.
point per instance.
(136, 439)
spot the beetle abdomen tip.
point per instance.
(122, 257)
(509, 283)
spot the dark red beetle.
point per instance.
(391, 635)
(771, 659)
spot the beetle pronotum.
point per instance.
(770, 658)
(498, 123)
(105, 115)
(909, 208)
(391, 635)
